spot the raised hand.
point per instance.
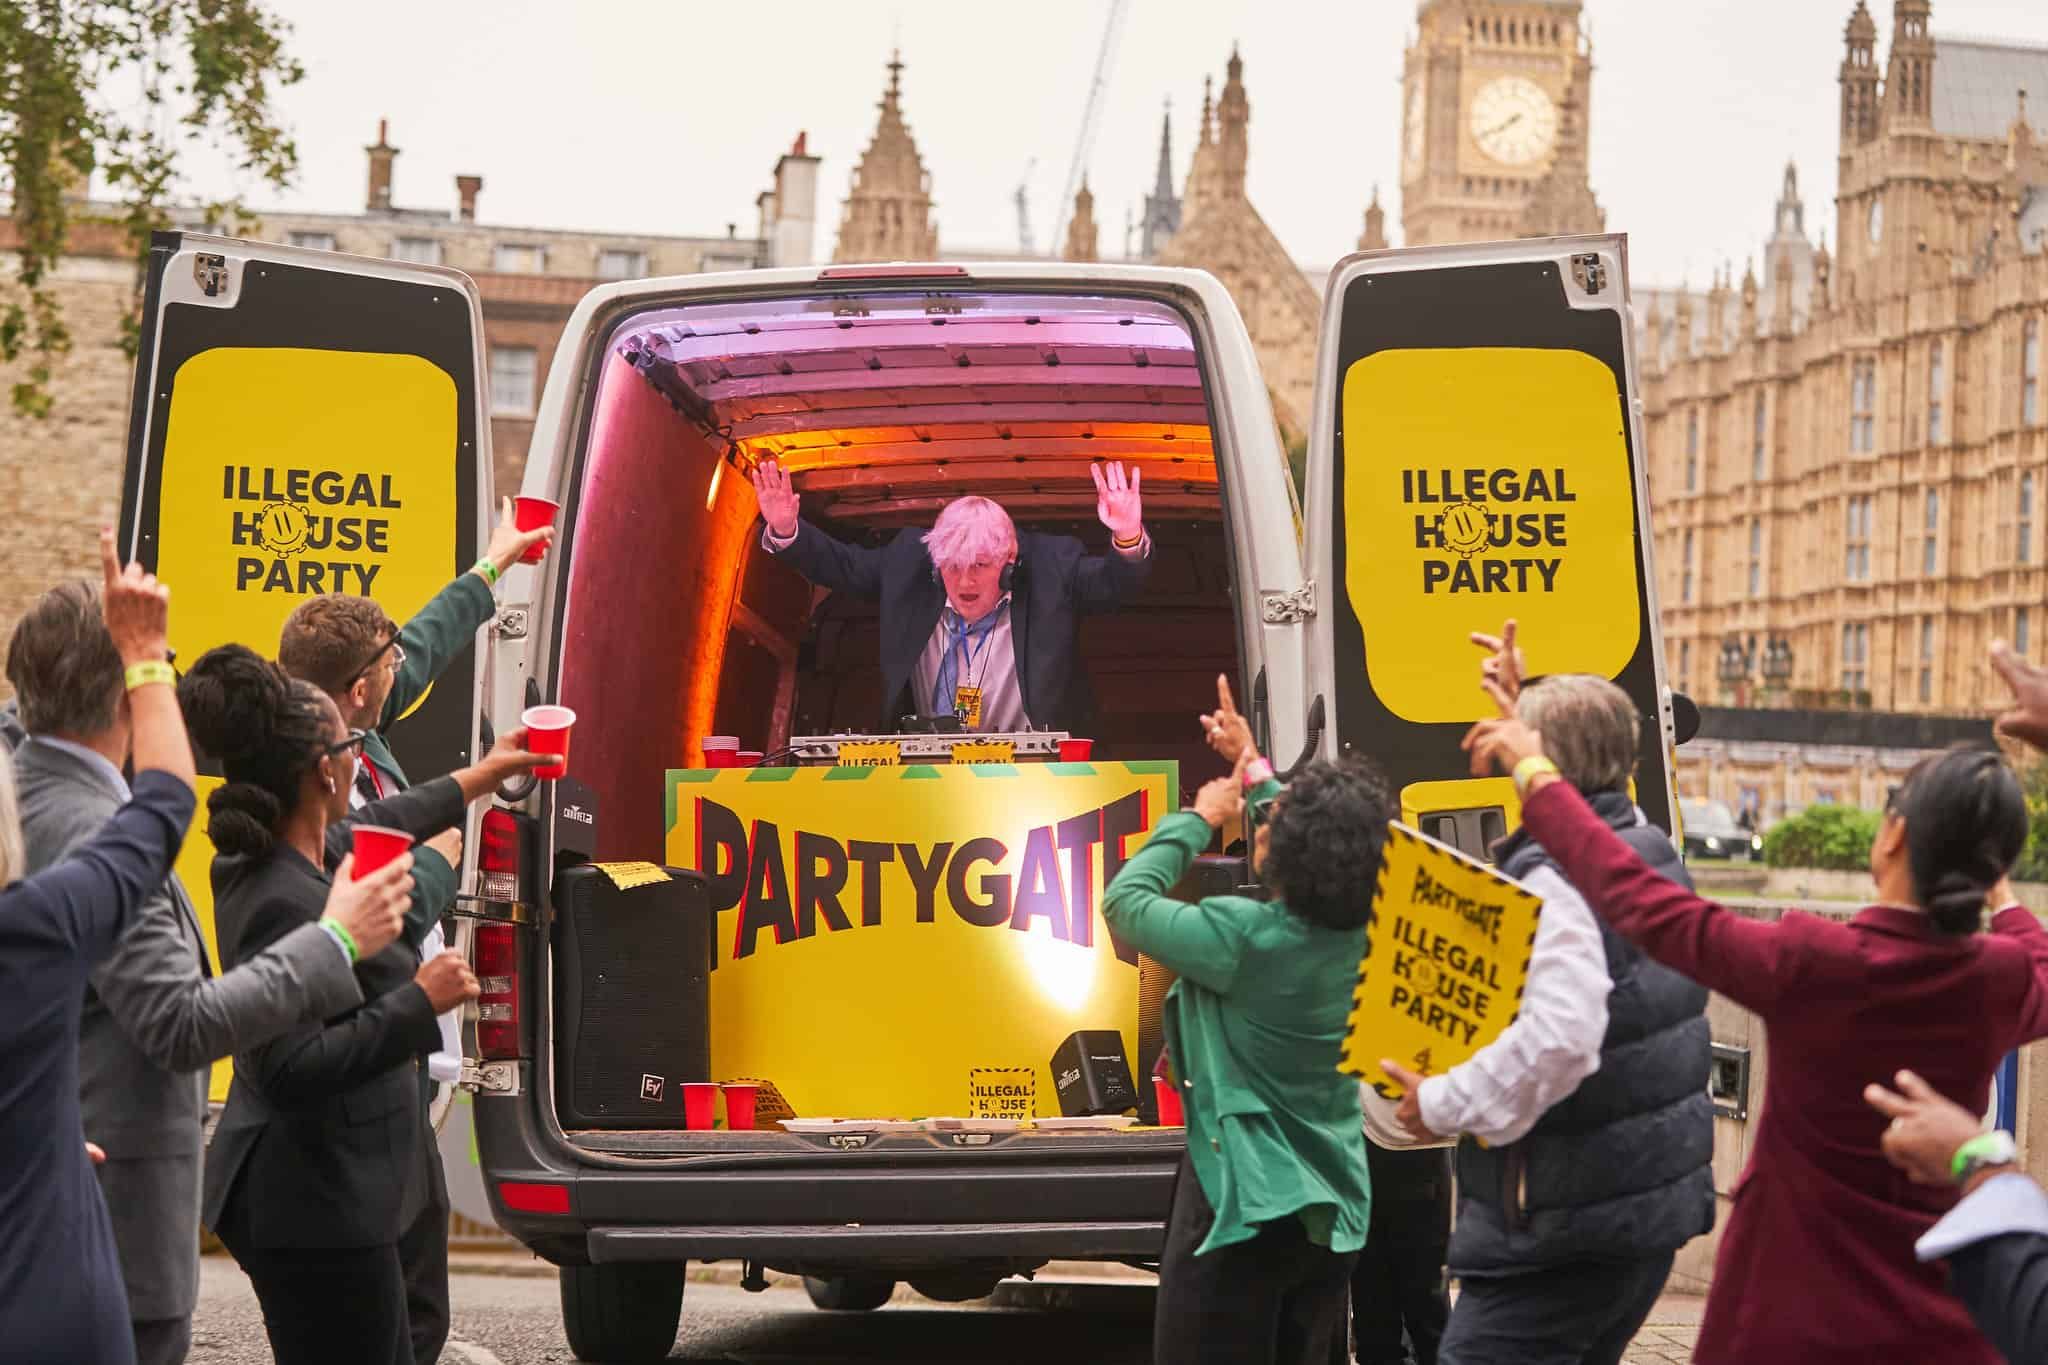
(776, 497)
(2027, 718)
(1503, 741)
(1117, 503)
(509, 758)
(371, 909)
(135, 607)
(1229, 733)
(1504, 662)
(1221, 799)
(509, 543)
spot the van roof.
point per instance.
(888, 403)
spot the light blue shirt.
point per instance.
(91, 758)
(2003, 1204)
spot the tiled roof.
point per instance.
(1977, 85)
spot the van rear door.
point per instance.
(306, 422)
(1476, 455)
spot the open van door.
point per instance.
(1477, 455)
(305, 422)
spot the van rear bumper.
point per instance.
(842, 1244)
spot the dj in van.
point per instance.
(979, 621)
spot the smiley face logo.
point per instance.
(1424, 975)
(283, 528)
(1462, 528)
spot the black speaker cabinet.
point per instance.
(632, 998)
(1211, 875)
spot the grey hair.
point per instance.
(13, 852)
(1590, 728)
(63, 664)
(970, 529)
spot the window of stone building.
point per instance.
(1934, 380)
(2030, 374)
(512, 374)
(1930, 542)
(1756, 447)
(1855, 654)
(1926, 658)
(1756, 555)
(312, 241)
(1684, 665)
(613, 264)
(1856, 537)
(417, 250)
(2024, 549)
(1685, 583)
(1863, 405)
(1692, 452)
(519, 258)
(2022, 630)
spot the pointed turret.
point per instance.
(1233, 128)
(1562, 203)
(1162, 206)
(1781, 298)
(1859, 79)
(1082, 239)
(888, 210)
(1374, 237)
(1202, 171)
(1909, 79)
(1749, 296)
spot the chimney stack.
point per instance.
(466, 188)
(381, 157)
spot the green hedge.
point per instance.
(2033, 863)
(1833, 837)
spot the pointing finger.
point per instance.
(1225, 702)
(1915, 1087)
(1501, 699)
(1885, 1102)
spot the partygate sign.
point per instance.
(885, 937)
(1486, 483)
(1446, 956)
(288, 473)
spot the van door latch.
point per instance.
(489, 1078)
(1590, 272)
(511, 623)
(1283, 608)
(210, 272)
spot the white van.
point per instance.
(1475, 455)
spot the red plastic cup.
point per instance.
(1076, 750)
(1170, 1112)
(721, 751)
(547, 732)
(374, 846)
(530, 514)
(739, 1106)
(699, 1100)
(748, 758)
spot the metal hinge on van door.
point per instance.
(210, 271)
(1590, 272)
(489, 1078)
(1282, 608)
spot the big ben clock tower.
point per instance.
(1492, 89)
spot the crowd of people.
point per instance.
(334, 993)
(1870, 1223)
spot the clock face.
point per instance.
(1513, 120)
(1876, 219)
(1415, 129)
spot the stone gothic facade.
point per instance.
(889, 208)
(1848, 453)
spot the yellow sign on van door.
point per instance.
(1446, 957)
(288, 473)
(1479, 484)
(887, 939)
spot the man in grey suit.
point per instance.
(155, 1015)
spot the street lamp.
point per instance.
(1777, 664)
(1733, 668)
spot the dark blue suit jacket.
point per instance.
(1055, 582)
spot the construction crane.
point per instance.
(1023, 197)
(1091, 116)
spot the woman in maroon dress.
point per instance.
(1816, 1263)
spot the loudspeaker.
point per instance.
(632, 996)
(1211, 875)
(1092, 1074)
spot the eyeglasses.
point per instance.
(395, 649)
(354, 741)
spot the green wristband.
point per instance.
(1988, 1149)
(348, 940)
(488, 570)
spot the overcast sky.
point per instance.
(668, 117)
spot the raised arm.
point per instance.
(854, 569)
(1203, 941)
(2014, 921)
(435, 636)
(1104, 581)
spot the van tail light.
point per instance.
(500, 858)
(497, 1001)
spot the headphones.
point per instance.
(1006, 582)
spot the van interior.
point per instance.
(884, 405)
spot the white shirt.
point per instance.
(1554, 1043)
(445, 1065)
(2004, 1203)
(987, 661)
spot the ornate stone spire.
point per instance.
(1781, 298)
(1859, 79)
(1562, 203)
(1081, 234)
(1202, 170)
(1162, 206)
(1749, 293)
(1375, 235)
(1233, 128)
(888, 209)
(1909, 81)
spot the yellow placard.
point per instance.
(1002, 1093)
(1446, 957)
(288, 473)
(1480, 484)
(882, 934)
(881, 753)
(626, 876)
(986, 751)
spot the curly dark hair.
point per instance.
(266, 728)
(1324, 840)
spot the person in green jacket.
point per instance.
(376, 671)
(1271, 1204)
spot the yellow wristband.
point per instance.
(151, 671)
(1526, 770)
